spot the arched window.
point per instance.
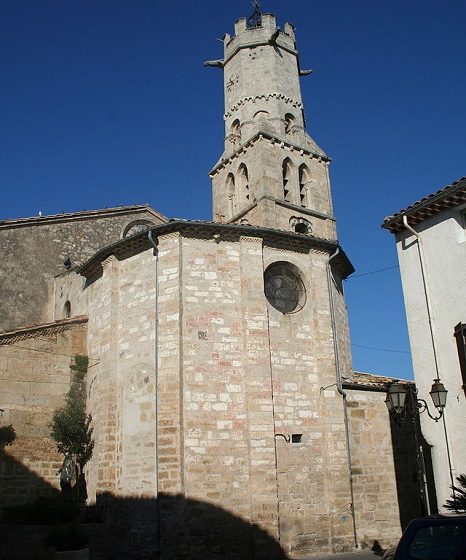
(287, 168)
(243, 181)
(235, 132)
(304, 185)
(135, 227)
(261, 116)
(230, 188)
(67, 310)
(289, 122)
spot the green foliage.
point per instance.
(7, 435)
(457, 502)
(43, 511)
(71, 426)
(67, 537)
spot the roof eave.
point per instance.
(141, 242)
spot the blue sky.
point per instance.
(107, 103)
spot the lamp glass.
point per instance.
(438, 394)
(397, 396)
(388, 403)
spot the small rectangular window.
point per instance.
(460, 335)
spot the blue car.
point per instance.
(439, 537)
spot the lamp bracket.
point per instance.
(422, 406)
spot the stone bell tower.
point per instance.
(271, 173)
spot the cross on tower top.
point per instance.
(256, 19)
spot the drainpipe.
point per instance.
(156, 375)
(339, 385)
(431, 329)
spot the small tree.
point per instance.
(457, 502)
(71, 425)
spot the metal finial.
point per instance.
(256, 19)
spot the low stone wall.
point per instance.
(34, 377)
(373, 470)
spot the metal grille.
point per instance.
(284, 289)
(256, 19)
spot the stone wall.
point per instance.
(122, 308)
(34, 251)
(34, 377)
(232, 374)
(374, 481)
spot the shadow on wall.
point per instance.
(413, 466)
(18, 484)
(139, 528)
(176, 527)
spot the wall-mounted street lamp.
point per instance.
(396, 399)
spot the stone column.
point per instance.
(170, 455)
(259, 396)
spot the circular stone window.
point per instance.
(284, 288)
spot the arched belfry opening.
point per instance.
(243, 183)
(67, 310)
(235, 133)
(304, 185)
(230, 188)
(287, 171)
(289, 123)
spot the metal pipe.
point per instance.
(339, 386)
(156, 375)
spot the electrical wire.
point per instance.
(373, 272)
(381, 349)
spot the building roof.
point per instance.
(30, 331)
(448, 197)
(371, 382)
(82, 215)
(207, 230)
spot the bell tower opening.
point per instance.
(287, 168)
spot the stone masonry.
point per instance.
(34, 251)
(34, 377)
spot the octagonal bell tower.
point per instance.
(271, 172)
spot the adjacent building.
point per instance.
(431, 243)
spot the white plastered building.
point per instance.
(431, 243)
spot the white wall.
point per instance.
(443, 245)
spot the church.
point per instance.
(220, 382)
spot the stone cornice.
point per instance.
(220, 232)
(84, 215)
(265, 97)
(256, 43)
(55, 327)
(299, 209)
(267, 136)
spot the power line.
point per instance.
(374, 272)
(382, 349)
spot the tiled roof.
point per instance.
(448, 197)
(371, 381)
(83, 214)
(30, 331)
